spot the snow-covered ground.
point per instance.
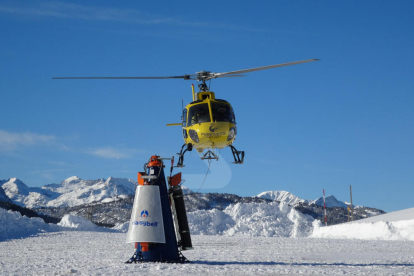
(245, 239)
(97, 253)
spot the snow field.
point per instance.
(99, 253)
(243, 239)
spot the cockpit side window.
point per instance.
(185, 117)
(233, 116)
(198, 114)
(222, 112)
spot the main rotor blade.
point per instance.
(232, 76)
(219, 75)
(185, 77)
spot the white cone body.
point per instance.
(146, 223)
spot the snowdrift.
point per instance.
(242, 219)
(281, 220)
(397, 225)
(80, 224)
(122, 227)
(381, 230)
(250, 219)
(15, 226)
(253, 219)
(407, 214)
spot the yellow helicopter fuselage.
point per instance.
(208, 123)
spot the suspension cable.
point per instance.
(208, 169)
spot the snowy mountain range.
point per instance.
(109, 201)
(70, 192)
(293, 200)
(75, 191)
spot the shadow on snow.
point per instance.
(301, 264)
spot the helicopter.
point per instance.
(207, 123)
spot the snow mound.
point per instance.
(407, 214)
(121, 227)
(381, 230)
(15, 226)
(79, 223)
(252, 219)
(397, 225)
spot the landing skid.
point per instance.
(209, 155)
(238, 155)
(188, 147)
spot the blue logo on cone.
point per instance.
(144, 214)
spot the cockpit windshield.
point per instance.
(198, 114)
(222, 112)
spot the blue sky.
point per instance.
(344, 120)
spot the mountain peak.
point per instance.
(282, 196)
(16, 190)
(330, 201)
(3, 196)
(71, 180)
(16, 181)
